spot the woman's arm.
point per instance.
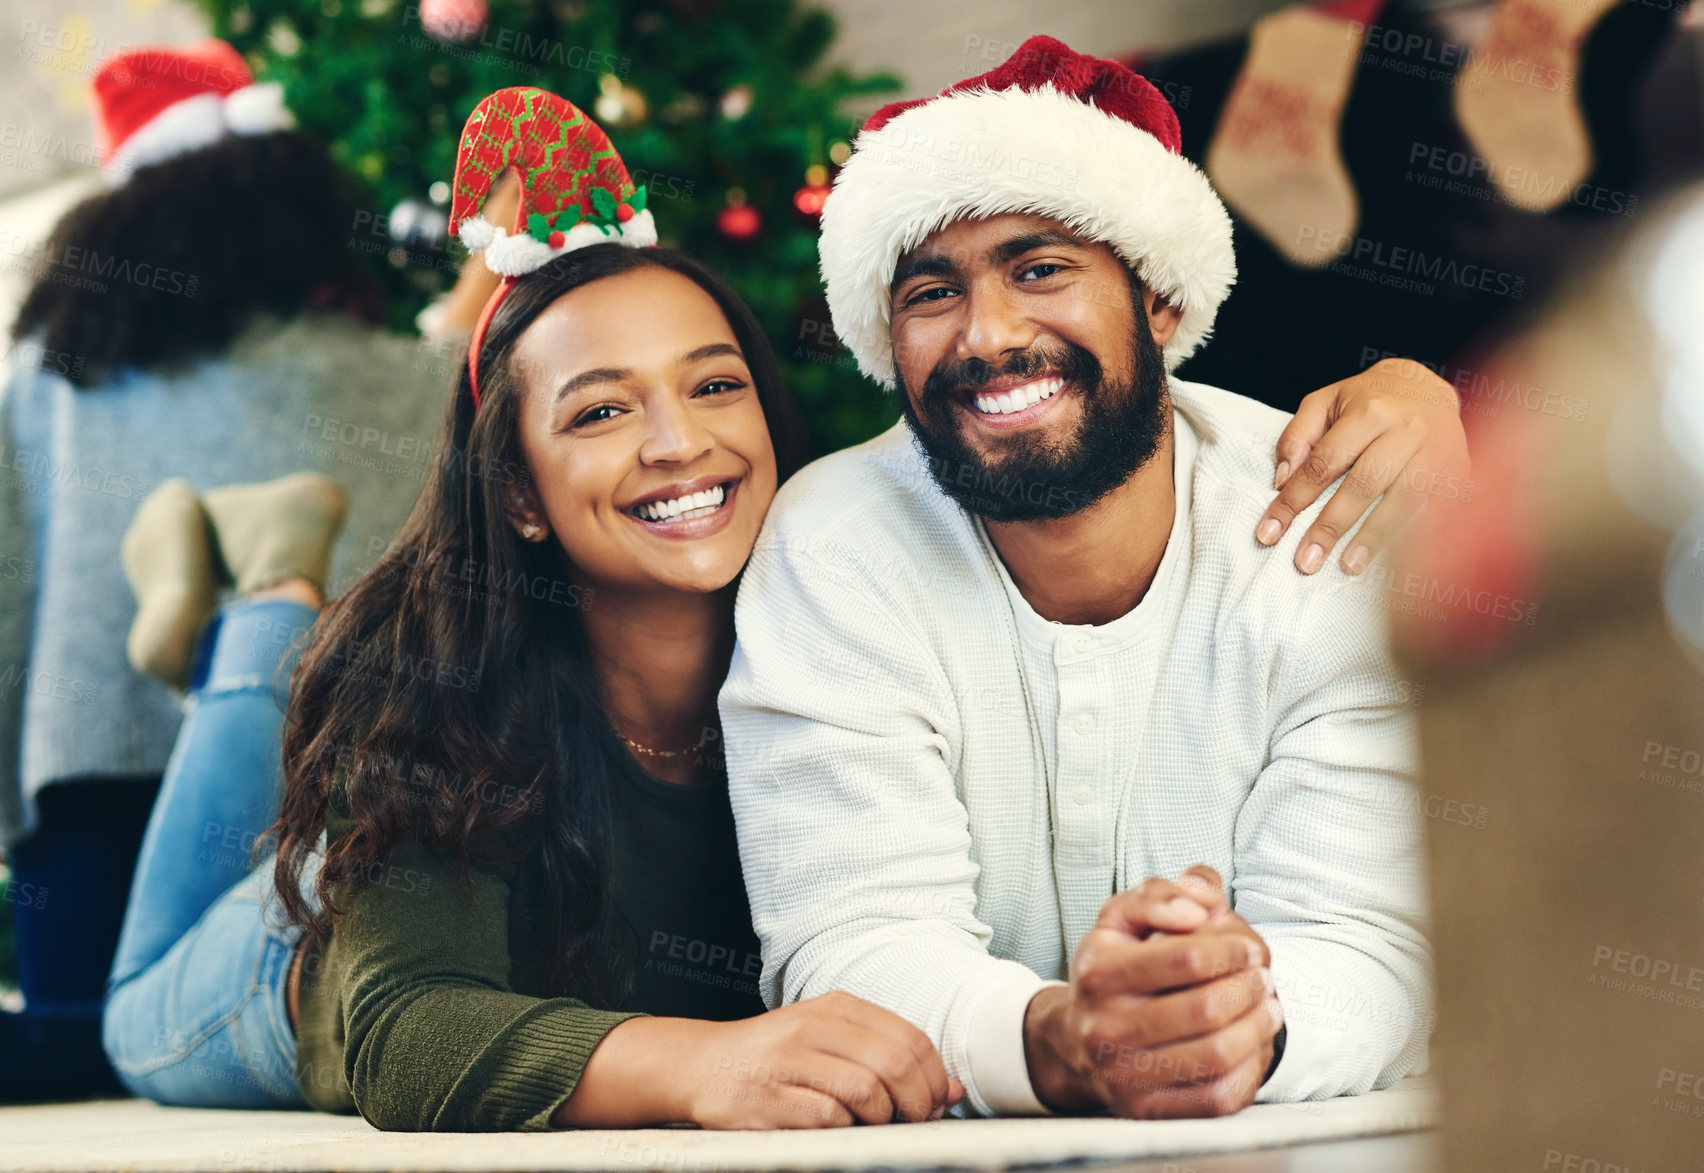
(1394, 433)
(437, 1040)
(459, 312)
(820, 1063)
(434, 1037)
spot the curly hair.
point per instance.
(173, 263)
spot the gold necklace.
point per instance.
(645, 749)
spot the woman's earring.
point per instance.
(530, 530)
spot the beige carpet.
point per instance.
(132, 1135)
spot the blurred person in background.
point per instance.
(201, 318)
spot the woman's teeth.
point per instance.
(684, 508)
(1018, 398)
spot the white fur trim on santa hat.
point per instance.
(258, 109)
(515, 255)
(979, 153)
(200, 122)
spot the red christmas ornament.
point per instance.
(810, 198)
(455, 22)
(739, 222)
(624, 212)
(555, 239)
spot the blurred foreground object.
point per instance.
(1564, 711)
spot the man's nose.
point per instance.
(994, 329)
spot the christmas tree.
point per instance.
(721, 107)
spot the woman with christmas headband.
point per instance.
(511, 896)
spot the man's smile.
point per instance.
(1006, 403)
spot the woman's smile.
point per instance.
(688, 509)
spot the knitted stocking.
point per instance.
(1274, 155)
(1517, 100)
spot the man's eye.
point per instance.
(1042, 270)
(935, 294)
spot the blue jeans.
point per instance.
(195, 1011)
(70, 883)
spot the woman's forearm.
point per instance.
(640, 1074)
(826, 1061)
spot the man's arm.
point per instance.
(855, 846)
(1329, 865)
(1164, 1016)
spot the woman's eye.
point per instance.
(592, 416)
(720, 386)
(1044, 269)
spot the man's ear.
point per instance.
(1163, 316)
(521, 507)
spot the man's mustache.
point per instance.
(1072, 363)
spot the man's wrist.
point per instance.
(1277, 1052)
(1056, 1083)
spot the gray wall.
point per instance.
(50, 49)
(933, 43)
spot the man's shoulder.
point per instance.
(1236, 437)
(877, 492)
(1235, 462)
(1236, 440)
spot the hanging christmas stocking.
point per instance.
(1517, 100)
(1274, 156)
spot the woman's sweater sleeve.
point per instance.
(434, 1037)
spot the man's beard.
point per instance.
(1031, 478)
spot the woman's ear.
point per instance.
(521, 507)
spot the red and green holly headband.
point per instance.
(575, 191)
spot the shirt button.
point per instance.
(1083, 724)
(1082, 641)
(1082, 796)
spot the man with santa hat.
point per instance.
(1032, 738)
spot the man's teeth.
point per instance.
(1018, 398)
(684, 508)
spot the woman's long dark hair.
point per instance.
(175, 261)
(510, 762)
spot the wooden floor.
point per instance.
(133, 1135)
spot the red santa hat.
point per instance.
(575, 191)
(1053, 132)
(157, 102)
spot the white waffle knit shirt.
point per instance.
(936, 789)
